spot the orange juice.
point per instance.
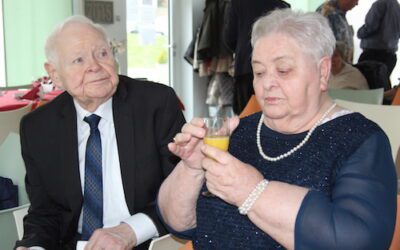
(221, 142)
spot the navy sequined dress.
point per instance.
(346, 164)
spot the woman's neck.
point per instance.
(299, 123)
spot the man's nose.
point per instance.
(93, 64)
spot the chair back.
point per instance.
(9, 120)
(396, 98)
(167, 242)
(386, 116)
(251, 107)
(12, 165)
(8, 228)
(19, 214)
(371, 96)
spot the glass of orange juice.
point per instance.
(217, 135)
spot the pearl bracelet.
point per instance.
(253, 196)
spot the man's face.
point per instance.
(85, 66)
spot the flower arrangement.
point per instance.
(117, 47)
(41, 80)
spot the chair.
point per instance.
(395, 245)
(167, 242)
(386, 116)
(9, 120)
(252, 107)
(8, 228)
(12, 165)
(371, 96)
(396, 99)
(19, 214)
(375, 73)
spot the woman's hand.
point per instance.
(187, 144)
(227, 177)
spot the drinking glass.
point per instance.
(217, 135)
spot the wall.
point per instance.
(27, 24)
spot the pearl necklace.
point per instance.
(280, 157)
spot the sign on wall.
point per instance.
(100, 11)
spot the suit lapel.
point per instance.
(69, 159)
(124, 131)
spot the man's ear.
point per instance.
(324, 71)
(52, 72)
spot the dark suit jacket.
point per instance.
(146, 118)
(237, 33)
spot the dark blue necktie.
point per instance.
(93, 193)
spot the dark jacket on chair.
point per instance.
(8, 193)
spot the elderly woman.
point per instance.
(303, 173)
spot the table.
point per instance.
(8, 101)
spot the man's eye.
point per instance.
(103, 53)
(78, 60)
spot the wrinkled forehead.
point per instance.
(75, 30)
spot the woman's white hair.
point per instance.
(50, 47)
(310, 29)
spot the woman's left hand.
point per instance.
(227, 177)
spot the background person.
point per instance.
(125, 162)
(344, 75)
(380, 34)
(302, 174)
(241, 17)
(335, 11)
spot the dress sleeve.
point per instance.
(361, 212)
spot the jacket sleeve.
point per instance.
(169, 122)
(231, 27)
(373, 20)
(41, 225)
(361, 212)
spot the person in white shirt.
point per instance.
(344, 75)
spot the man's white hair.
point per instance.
(51, 42)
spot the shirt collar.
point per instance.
(104, 111)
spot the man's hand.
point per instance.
(121, 237)
(22, 248)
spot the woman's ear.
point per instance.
(324, 71)
(52, 72)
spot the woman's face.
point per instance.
(287, 82)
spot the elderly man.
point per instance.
(96, 155)
(335, 11)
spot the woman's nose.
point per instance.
(269, 82)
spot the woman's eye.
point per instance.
(283, 71)
(258, 73)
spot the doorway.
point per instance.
(148, 39)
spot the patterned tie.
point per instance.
(93, 193)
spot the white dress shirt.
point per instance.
(115, 209)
